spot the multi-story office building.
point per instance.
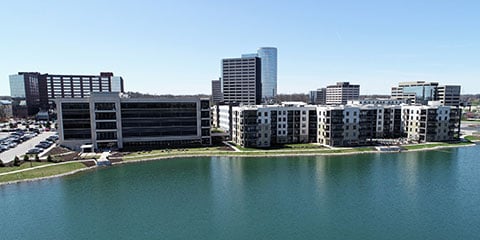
(341, 93)
(448, 95)
(217, 95)
(242, 83)
(39, 90)
(268, 57)
(420, 92)
(107, 120)
(5, 110)
(319, 96)
(28, 90)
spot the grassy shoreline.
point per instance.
(75, 167)
(43, 173)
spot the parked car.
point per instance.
(42, 145)
(3, 148)
(12, 144)
(53, 137)
(35, 150)
(46, 143)
(35, 130)
(15, 139)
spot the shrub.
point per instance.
(49, 158)
(1, 163)
(26, 158)
(16, 161)
(37, 159)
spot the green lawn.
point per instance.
(472, 138)
(286, 147)
(176, 152)
(249, 152)
(42, 172)
(431, 145)
(23, 166)
(293, 149)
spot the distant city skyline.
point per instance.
(176, 47)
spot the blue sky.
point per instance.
(175, 47)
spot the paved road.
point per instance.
(23, 147)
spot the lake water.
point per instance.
(416, 195)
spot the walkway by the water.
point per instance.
(232, 146)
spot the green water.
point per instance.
(417, 195)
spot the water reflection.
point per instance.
(414, 195)
(227, 186)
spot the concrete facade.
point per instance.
(107, 121)
(217, 94)
(342, 125)
(39, 90)
(5, 110)
(341, 93)
(242, 83)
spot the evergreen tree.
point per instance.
(16, 161)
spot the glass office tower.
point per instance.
(268, 56)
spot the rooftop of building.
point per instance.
(418, 83)
(102, 74)
(343, 84)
